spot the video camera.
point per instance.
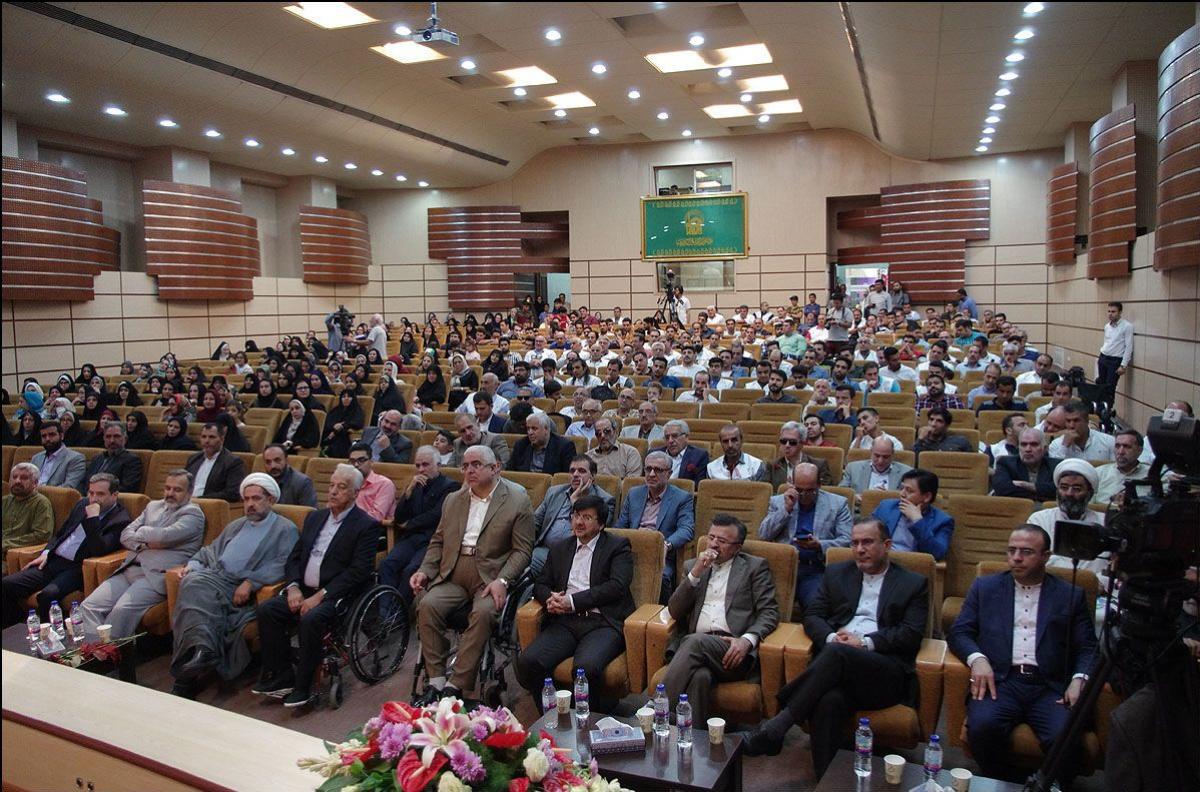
(345, 319)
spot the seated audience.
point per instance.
(377, 494)
(552, 519)
(913, 522)
(28, 514)
(935, 435)
(1029, 473)
(541, 450)
(216, 472)
(612, 457)
(1079, 440)
(127, 467)
(1128, 446)
(418, 510)
(660, 506)
(880, 472)
(687, 461)
(386, 442)
(470, 434)
(58, 466)
(647, 427)
(792, 439)
(735, 464)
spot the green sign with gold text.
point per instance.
(681, 227)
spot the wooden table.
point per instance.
(661, 765)
(840, 777)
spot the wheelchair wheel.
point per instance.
(378, 634)
(336, 693)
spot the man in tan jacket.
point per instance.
(481, 546)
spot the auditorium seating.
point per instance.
(981, 527)
(958, 472)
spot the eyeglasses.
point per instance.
(356, 461)
(789, 441)
(653, 469)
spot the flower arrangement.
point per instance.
(94, 650)
(442, 748)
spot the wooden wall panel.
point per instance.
(483, 248)
(1062, 213)
(335, 246)
(198, 243)
(1113, 195)
(55, 241)
(923, 233)
(1177, 237)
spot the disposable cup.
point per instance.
(562, 701)
(716, 730)
(893, 768)
(104, 632)
(960, 779)
(645, 718)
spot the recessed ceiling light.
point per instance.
(992, 119)
(376, 172)
(599, 68)
(988, 130)
(634, 94)
(690, 60)
(552, 34)
(686, 133)
(212, 133)
(288, 151)
(1009, 75)
(745, 97)
(408, 52)
(467, 64)
(321, 158)
(594, 131)
(1014, 57)
(1003, 92)
(400, 177)
(168, 123)
(402, 30)
(350, 166)
(1024, 34)
(252, 143)
(696, 40)
(781, 107)
(772, 82)
(1034, 8)
(114, 111)
(725, 73)
(526, 75)
(981, 149)
(422, 184)
(519, 92)
(764, 118)
(57, 98)
(664, 115)
(560, 113)
(329, 15)
(727, 111)
(997, 106)
(570, 101)
(985, 139)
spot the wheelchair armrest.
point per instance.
(18, 557)
(529, 622)
(658, 635)
(266, 592)
(770, 662)
(930, 660)
(99, 569)
(635, 643)
(172, 578)
(957, 678)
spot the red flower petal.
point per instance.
(412, 776)
(504, 740)
(518, 785)
(399, 712)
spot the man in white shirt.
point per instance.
(893, 369)
(1043, 364)
(1127, 448)
(700, 392)
(581, 377)
(1009, 445)
(688, 365)
(869, 430)
(489, 383)
(586, 425)
(734, 465)
(1080, 441)
(715, 319)
(715, 380)
(376, 337)
(1117, 349)
(535, 356)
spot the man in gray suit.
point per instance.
(880, 472)
(295, 488)
(471, 434)
(58, 466)
(165, 535)
(714, 645)
(552, 520)
(812, 521)
(646, 428)
(387, 444)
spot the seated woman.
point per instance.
(138, 434)
(210, 407)
(267, 395)
(234, 440)
(387, 397)
(299, 430)
(344, 418)
(128, 395)
(302, 392)
(177, 438)
(431, 395)
(239, 365)
(29, 431)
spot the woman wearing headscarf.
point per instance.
(144, 373)
(154, 386)
(495, 365)
(195, 376)
(56, 408)
(408, 346)
(431, 395)
(29, 429)
(302, 392)
(222, 352)
(32, 401)
(127, 395)
(177, 438)
(267, 395)
(72, 432)
(211, 406)
(235, 441)
(92, 404)
(387, 397)
(351, 383)
(462, 376)
(344, 418)
(66, 383)
(319, 383)
(126, 369)
(299, 430)
(138, 434)
(335, 372)
(95, 438)
(86, 372)
(249, 384)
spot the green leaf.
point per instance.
(336, 783)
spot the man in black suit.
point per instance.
(585, 586)
(217, 472)
(93, 528)
(866, 624)
(332, 561)
(687, 461)
(541, 451)
(1029, 474)
(385, 440)
(418, 512)
(115, 460)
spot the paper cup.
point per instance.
(893, 768)
(716, 730)
(562, 701)
(960, 779)
(104, 633)
(45, 631)
(645, 718)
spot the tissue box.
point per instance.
(617, 739)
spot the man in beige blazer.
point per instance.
(482, 545)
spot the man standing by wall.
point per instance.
(1117, 349)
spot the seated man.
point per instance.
(1027, 637)
(586, 425)
(58, 466)
(814, 432)
(660, 506)
(775, 393)
(552, 520)
(116, 460)
(687, 461)
(614, 458)
(647, 429)
(843, 412)
(1005, 398)
(811, 520)
(880, 472)
(418, 511)
(332, 561)
(488, 420)
(1012, 425)
(163, 536)
(295, 488)
(1128, 447)
(1075, 483)
(217, 473)
(1078, 441)
(1029, 474)
(480, 548)
(585, 586)
(937, 395)
(734, 464)
(93, 528)
(869, 431)
(377, 495)
(471, 434)
(723, 608)
(912, 521)
(385, 441)
(541, 450)
(865, 623)
(217, 590)
(791, 453)
(701, 393)
(28, 514)
(934, 436)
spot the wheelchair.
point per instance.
(371, 638)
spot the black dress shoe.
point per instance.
(184, 690)
(449, 691)
(299, 698)
(202, 661)
(759, 743)
(430, 695)
(276, 685)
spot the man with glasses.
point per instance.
(377, 495)
(812, 521)
(687, 461)
(724, 607)
(1028, 639)
(791, 453)
(586, 425)
(612, 457)
(470, 434)
(552, 519)
(880, 472)
(660, 506)
(626, 406)
(647, 426)
(386, 442)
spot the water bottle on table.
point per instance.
(549, 702)
(683, 719)
(662, 712)
(933, 758)
(33, 629)
(76, 622)
(56, 620)
(582, 707)
(862, 748)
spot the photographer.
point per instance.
(338, 323)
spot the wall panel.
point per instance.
(1113, 195)
(1062, 194)
(1177, 237)
(335, 245)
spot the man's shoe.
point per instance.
(759, 743)
(202, 661)
(299, 698)
(276, 685)
(430, 695)
(184, 689)
(449, 691)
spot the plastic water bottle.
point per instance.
(56, 620)
(77, 621)
(33, 627)
(662, 712)
(549, 701)
(582, 707)
(683, 719)
(933, 758)
(862, 748)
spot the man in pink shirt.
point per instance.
(378, 494)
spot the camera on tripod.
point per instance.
(345, 319)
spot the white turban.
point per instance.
(1080, 467)
(263, 480)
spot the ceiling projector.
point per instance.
(433, 31)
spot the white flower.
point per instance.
(450, 783)
(536, 765)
